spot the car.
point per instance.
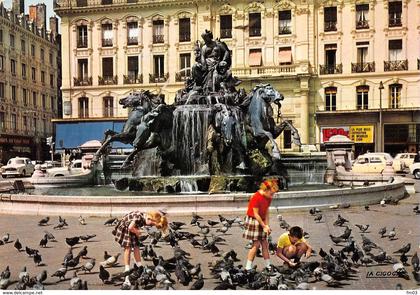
(415, 169)
(50, 164)
(18, 166)
(406, 159)
(74, 168)
(374, 163)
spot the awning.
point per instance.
(285, 55)
(71, 135)
(255, 58)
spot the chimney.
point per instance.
(54, 25)
(18, 6)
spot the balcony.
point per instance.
(132, 41)
(158, 78)
(82, 42)
(264, 71)
(254, 32)
(85, 81)
(106, 42)
(226, 33)
(185, 37)
(396, 65)
(133, 79)
(330, 26)
(106, 2)
(158, 39)
(108, 80)
(181, 76)
(363, 67)
(82, 3)
(330, 69)
(395, 21)
(362, 24)
(285, 30)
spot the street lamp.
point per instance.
(381, 87)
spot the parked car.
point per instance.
(50, 164)
(374, 163)
(406, 159)
(415, 169)
(74, 168)
(18, 167)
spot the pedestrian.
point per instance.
(257, 218)
(129, 229)
(292, 246)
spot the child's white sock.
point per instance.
(138, 263)
(248, 265)
(267, 262)
(127, 268)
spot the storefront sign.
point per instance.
(361, 134)
(15, 140)
(327, 132)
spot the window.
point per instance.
(2, 121)
(12, 40)
(285, 56)
(24, 71)
(158, 36)
(285, 22)
(13, 67)
(34, 125)
(255, 57)
(25, 96)
(185, 65)
(52, 98)
(330, 19)
(362, 97)
(184, 30)
(330, 55)
(23, 46)
(34, 99)
(330, 98)
(133, 67)
(159, 66)
(1, 90)
(287, 138)
(254, 24)
(13, 118)
(226, 26)
(395, 50)
(362, 52)
(44, 101)
(395, 95)
(42, 77)
(82, 69)
(108, 103)
(394, 11)
(362, 16)
(107, 68)
(82, 36)
(51, 80)
(32, 50)
(13, 93)
(1, 63)
(25, 123)
(42, 55)
(33, 74)
(83, 107)
(51, 58)
(107, 35)
(132, 33)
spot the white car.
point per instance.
(74, 168)
(374, 163)
(50, 164)
(415, 170)
(18, 167)
(406, 159)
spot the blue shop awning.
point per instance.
(70, 135)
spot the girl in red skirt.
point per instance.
(257, 219)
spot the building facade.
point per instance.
(28, 86)
(326, 57)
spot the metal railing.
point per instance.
(264, 70)
(285, 30)
(84, 81)
(363, 67)
(330, 69)
(158, 78)
(226, 33)
(254, 32)
(182, 76)
(185, 37)
(395, 21)
(396, 65)
(108, 80)
(158, 39)
(82, 42)
(132, 41)
(330, 26)
(133, 79)
(106, 42)
(362, 24)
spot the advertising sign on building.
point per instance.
(327, 132)
(361, 134)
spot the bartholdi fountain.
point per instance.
(214, 136)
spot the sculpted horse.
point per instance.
(141, 103)
(260, 117)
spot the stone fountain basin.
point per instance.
(186, 204)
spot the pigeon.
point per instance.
(4, 283)
(103, 274)
(111, 261)
(42, 276)
(75, 282)
(401, 271)
(43, 221)
(366, 260)
(355, 256)
(89, 265)
(416, 276)
(82, 220)
(87, 237)
(72, 262)
(30, 252)
(44, 241)
(195, 243)
(5, 238)
(17, 245)
(336, 240)
(346, 234)
(111, 221)
(37, 258)
(363, 228)
(318, 217)
(223, 229)
(212, 223)
(340, 221)
(392, 234)
(381, 257)
(50, 236)
(83, 252)
(72, 241)
(1, 243)
(23, 275)
(60, 273)
(195, 271)
(106, 255)
(5, 274)
(314, 211)
(382, 231)
(415, 262)
(404, 249)
(404, 259)
(61, 225)
(367, 208)
(198, 284)
(68, 256)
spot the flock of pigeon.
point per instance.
(333, 268)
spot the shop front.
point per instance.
(16, 146)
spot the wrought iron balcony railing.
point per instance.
(396, 65)
(85, 81)
(108, 80)
(132, 41)
(182, 76)
(185, 37)
(362, 24)
(254, 32)
(82, 42)
(363, 67)
(395, 21)
(158, 78)
(331, 69)
(226, 33)
(264, 71)
(106, 42)
(133, 79)
(158, 39)
(285, 30)
(330, 26)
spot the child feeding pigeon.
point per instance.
(292, 246)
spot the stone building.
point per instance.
(28, 86)
(326, 57)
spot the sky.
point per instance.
(49, 3)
